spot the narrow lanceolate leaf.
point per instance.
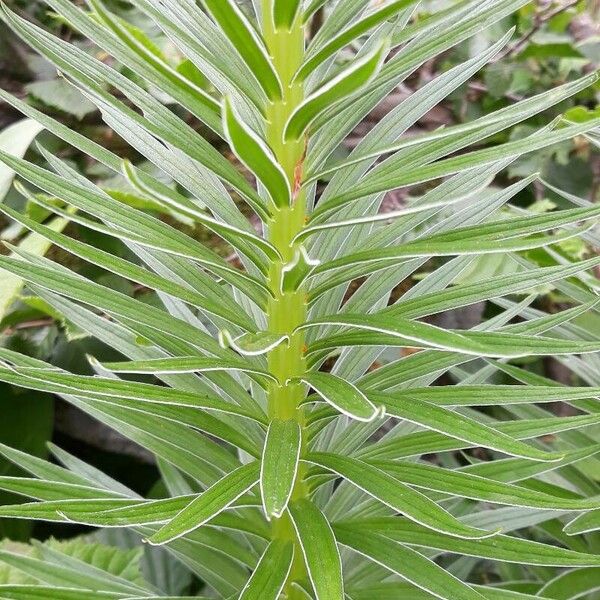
(453, 424)
(491, 238)
(104, 389)
(396, 495)
(271, 573)
(495, 395)
(40, 592)
(133, 224)
(209, 504)
(228, 232)
(572, 585)
(376, 330)
(501, 547)
(349, 81)
(584, 523)
(426, 442)
(348, 35)
(407, 563)
(279, 465)
(466, 485)
(247, 42)
(256, 155)
(209, 107)
(319, 547)
(387, 177)
(343, 396)
(50, 490)
(252, 344)
(184, 364)
(285, 13)
(462, 295)
(129, 270)
(63, 574)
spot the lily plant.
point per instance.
(287, 391)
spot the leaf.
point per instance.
(319, 548)
(285, 13)
(457, 425)
(396, 495)
(271, 573)
(381, 14)
(15, 140)
(584, 523)
(427, 442)
(247, 42)
(184, 364)
(208, 504)
(407, 563)
(416, 334)
(256, 155)
(501, 547)
(131, 46)
(147, 230)
(113, 561)
(478, 239)
(573, 584)
(252, 344)
(351, 79)
(158, 119)
(122, 267)
(131, 38)
(279, 467)
(99, 388)
(385, 177)
(59, 94)
(343, 396)
(229, 233)
(24, 592)
(469, 485)
(11, 575)
(65, 575)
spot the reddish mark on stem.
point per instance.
(298, 173)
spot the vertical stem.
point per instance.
(286, 310)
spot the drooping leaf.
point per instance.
(343, 396)
(279, 468)
(319, 548)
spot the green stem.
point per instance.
(286, 310)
